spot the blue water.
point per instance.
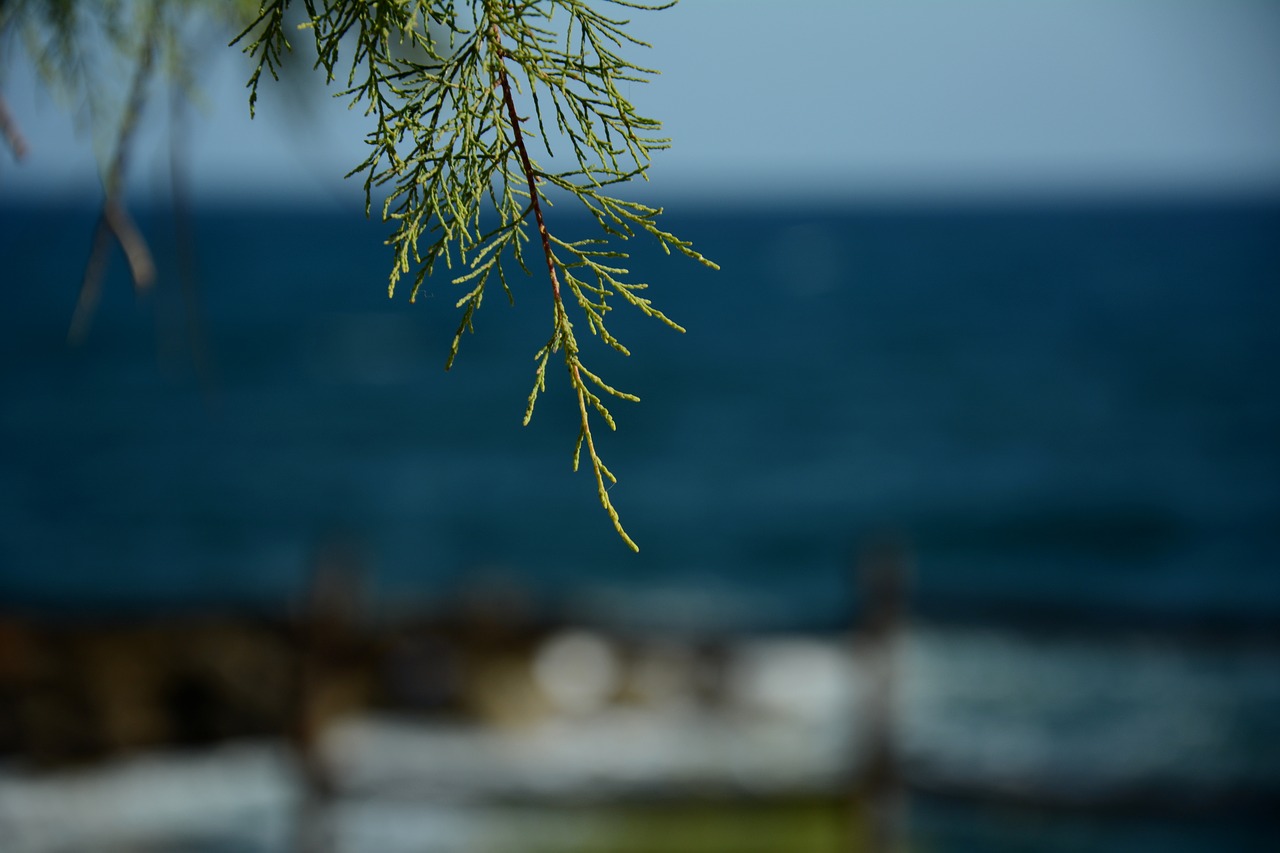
(1067, 411)
(1068, 414)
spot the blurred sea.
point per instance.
(1068, 414)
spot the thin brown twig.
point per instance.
(11, 132)
(530, 175)
(185, 243)
(90, 286)
(141, 265)
(114, 220)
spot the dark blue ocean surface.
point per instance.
(1068, 411)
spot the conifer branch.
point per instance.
(451, 157)
(563, 328)
(462, 97)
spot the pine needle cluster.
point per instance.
(467, 99)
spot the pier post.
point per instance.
(882, 576)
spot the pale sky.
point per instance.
(861, 99)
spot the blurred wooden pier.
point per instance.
(490, 707)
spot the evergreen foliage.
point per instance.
(468, 99)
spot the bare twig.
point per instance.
(11, 132)
(91, 285)
(115, 220)
(136, 252)
(184, 235)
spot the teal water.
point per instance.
(1070, 415)
(1066, 412)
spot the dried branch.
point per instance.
(114, 221)
(11, 132)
